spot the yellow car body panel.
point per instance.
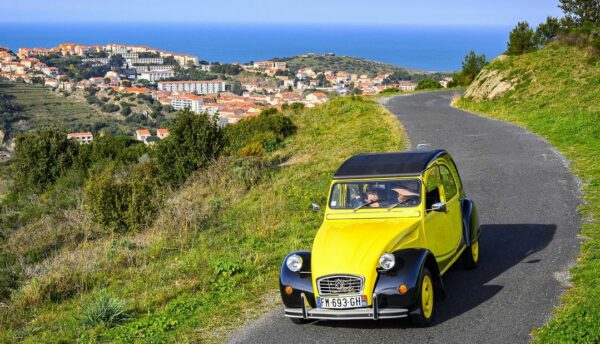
(351, 246)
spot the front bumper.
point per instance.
(370, 313)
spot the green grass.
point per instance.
(47, 108)
(210, 261)
(559, 99)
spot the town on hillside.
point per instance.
(183, 81)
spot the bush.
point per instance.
(123, 199)
(192, 142)
(471, 66)
(252, 149)
(269, 128)
(41, 157)
(426, 84)
(110, 108)
(391, 90)
(105, 310)
(125, 111)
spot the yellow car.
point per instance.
(393, 225)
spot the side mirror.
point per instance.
(439, 206)
(314, 207)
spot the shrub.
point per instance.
(252, 149)
(41, 157)
(123, 199)
(426, 84)
(269, 128)
(192, 142)
(104, 310)
(110, 108)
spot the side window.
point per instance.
(432, 190)
(449, 183)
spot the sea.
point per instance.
(431, 48)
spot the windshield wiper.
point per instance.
(399, 203)
(365, 204)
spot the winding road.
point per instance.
(527, 202)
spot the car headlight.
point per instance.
(387, 261)
(294, 262)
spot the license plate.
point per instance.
(341, 302)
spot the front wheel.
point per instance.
(299, 321)
(422, 315)
(470, 256)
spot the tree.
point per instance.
(428, 84)
(521, 40)
(116, 61)
(193, 141)
(547, 31)
(471, 66)
(581, 12)
(41, 157)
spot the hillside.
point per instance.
(555, 92)
(352, 65)
(208, 262)
(79, 110)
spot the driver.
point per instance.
(374, 198)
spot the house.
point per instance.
(142, 135)
(317, 98)
(407, 85)
(162, 133)
(82, 138)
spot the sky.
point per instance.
(340, 12)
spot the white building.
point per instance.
(145, 60)
(154, 76)
(142, 135)
(82, 138)
(198, 87)
(191, 101)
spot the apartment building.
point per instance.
(154, 76)
(191, 101)
(198, 87)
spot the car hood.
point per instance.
(354, 246)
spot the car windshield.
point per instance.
(376, 194)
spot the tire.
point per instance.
(299, 321)
(423, 314)
(470, 256)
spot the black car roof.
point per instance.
(387, 164)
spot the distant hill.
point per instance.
(321, 63)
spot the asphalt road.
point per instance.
(527, 202)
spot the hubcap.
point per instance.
(475, 251)
(427, 297)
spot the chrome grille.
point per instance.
(340, 284)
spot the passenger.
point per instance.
(406, 195)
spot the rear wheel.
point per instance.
(422, 315)
(470, 256)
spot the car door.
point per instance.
(436, 223)
(453, 207)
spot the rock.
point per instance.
(490, 84)
(1, 136)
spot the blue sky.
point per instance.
(400, 12)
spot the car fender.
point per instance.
(300, 281)
(408, 269)
(470, 218)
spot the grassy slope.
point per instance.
(559, 99)
(46, 108)
(211, 260)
